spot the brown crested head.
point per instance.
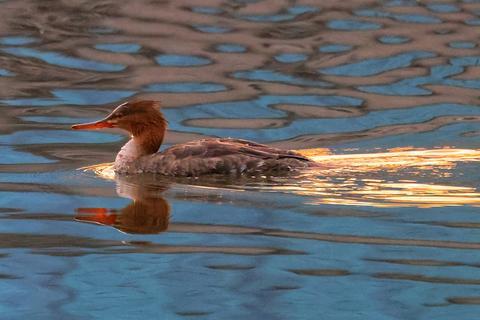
(137, 117)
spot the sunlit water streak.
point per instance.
(378, 179)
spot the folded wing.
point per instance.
(233, 156)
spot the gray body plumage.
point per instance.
(217, 156)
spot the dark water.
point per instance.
(386, 91)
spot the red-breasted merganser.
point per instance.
(147, 126)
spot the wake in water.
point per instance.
(395, 178)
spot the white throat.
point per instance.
(127, 155)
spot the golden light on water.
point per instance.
(104, 170)
(384, 179)
(395, 159)
(382, 194)
(347, 179)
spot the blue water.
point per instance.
(119, 47)
(6, 73)
(285, 15)
(73, 97)
(410, 18)
(207, 10)
(61, 60)
(439, 74)
(393, 39)
(177, 60)
(275, 76)
(351, 24)
(17, 40)
(334, 48)
(369, 67)
(187, 87)
(291, 57)
(443, 7)
(11, 156)
(393, 235)
(462, 44)
(230, 48)
(211, 28)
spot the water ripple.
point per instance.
(173, 87)
(17, 40)
(57, 136)
(177, 60)
(230, 48)
(410, 18)
(370, 67)
(385, 93)
(290, 13)
(335, 48)
(61, 60)
(119, 47)
(73, 97)
(350, 25)
(278, 77)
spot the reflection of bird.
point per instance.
(147, 127)
(148, 213)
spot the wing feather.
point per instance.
(224, 156)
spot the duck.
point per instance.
(147, 126)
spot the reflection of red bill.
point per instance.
(96, 215)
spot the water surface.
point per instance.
(384, 94)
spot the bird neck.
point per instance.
(149, 140)
(147, 137)
(143, 143)
(148, 133)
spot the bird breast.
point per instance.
(127, 155)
